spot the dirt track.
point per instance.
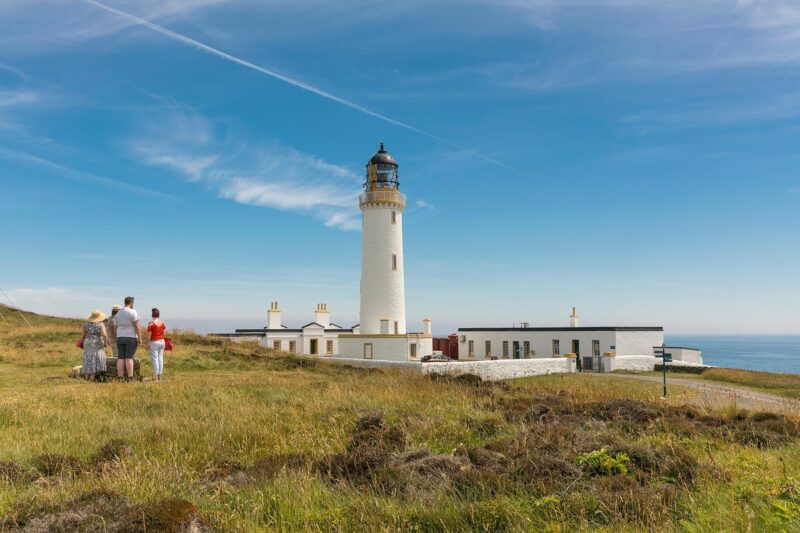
(714, 393)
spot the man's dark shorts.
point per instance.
(126, 347)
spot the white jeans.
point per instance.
(156, 349)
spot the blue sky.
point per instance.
(637, 160)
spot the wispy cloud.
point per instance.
(78, 175)
(286, 79)
(422, 204)
(270, 174)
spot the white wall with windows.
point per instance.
(409, 347)
(524, 343)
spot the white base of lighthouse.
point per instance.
(407, 347)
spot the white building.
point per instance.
(587, 343)
(383, 333)
(319, 337)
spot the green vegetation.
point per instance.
(787, 385)
(602, 463)
(238, 438)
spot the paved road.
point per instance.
(714, 393)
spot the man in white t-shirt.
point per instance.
(129, 337)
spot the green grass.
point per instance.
(260, 441)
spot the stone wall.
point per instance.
(503, 369)
(637, 363)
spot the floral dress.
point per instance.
(94, 356)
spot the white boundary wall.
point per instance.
(505, 369)
(638, 363)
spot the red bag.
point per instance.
(79, 344)
(167, 344)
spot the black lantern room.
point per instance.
(382, 171)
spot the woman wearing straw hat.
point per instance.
(95, 339)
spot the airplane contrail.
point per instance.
(277, 75)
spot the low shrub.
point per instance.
(600, 462)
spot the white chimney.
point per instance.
(322, 316)
(426, 326)
(573, 319)
(274, 316)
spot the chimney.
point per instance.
(322, 316)
(274, 316)
(573, 319)
(426, 326)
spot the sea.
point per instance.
(769, 353)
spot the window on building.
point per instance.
(396, 328)
(526, 348)
(385, 327)
(328, 347)
(276, 345)
(471, 345)
(368, 350)
(596, 348)
(488, 348)
(412, 349)
(394, 261)
(292, 346)
(394, 217)
(505, 348)
(556, 347)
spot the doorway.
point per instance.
(368, 350)
(576, 347)
(516, 349)
(313, 348)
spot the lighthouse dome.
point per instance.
(382, 157)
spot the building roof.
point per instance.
(313, 324)
(382, 157)
(681, 348)
(603, 328)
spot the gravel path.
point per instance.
(713, 394)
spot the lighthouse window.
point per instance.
(394, 261)
(394, 217)
(384, 327)
(396, 328)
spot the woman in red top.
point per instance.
(157, 330)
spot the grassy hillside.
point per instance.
(238, 438)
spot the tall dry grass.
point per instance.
(226, 410)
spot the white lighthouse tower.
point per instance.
(383, 299)
(382, 332)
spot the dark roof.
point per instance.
(568, 329)
(382, 157)
(337, 325)
(681, 348)
(313, 324)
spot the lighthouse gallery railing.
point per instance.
(392, 196)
